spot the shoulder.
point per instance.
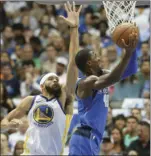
(26, 103)
(85, 86)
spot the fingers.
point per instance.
(66, 8)
(79, 10)
(69, 6)
(74, 6)
(123, 41)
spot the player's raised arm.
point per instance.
(95, 82)
(73, 21)
(12, 120)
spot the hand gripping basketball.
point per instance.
(132, 42)
(126, 35)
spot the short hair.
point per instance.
(144, 123)
(18, 26)
(119, 117)
(35, 40)
(28, 62)
(81, 59)
(20, 40)
(132, 117)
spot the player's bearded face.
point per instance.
(54, 89)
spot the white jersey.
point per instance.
(46, 127)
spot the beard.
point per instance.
(56, 91)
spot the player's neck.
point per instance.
(49, 96)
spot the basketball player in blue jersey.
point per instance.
(46, 111)
(93, 97)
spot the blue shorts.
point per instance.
(82, 145)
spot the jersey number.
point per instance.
(106, 100)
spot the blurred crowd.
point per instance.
(34, 41)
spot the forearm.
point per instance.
(132, 66)
(72, 71)
(74, 43)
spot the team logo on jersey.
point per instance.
(43, 115)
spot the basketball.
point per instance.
(123, 31)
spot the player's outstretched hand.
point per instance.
(15, 123)
(73, 16)
(133, 39)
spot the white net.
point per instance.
(118, 12)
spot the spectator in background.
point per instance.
(127, 88)
(118, 142)
(4, 148)
(109, 122)
(37, 11)
(36, 46)
(37, 50)
(145, 68)
(85, 40)
(51, 11)
(142, 21)
(30, 83)
(18, 29)
(19, 40)
(44, 33)
(19, 148)
(130, 130)
(7, 38)
(27, 53)
(105, 39)
(87, 26)
(6, 103)
(120, 121)
(19, 135)
(147, 111)
(142, 144)
(51, 54)
(5, 59)
(11, 82)
(30, 22)
(145, 51)
(60, 46)
(106, 146)
(17, 55)
(61, 69)
(136, 112)
(28, 33)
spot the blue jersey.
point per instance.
(93, 110)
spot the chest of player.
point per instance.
(45, 112)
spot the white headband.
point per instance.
(46, 77)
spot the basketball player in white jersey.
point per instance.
(46, 112)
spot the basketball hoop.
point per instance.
(119, 12)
